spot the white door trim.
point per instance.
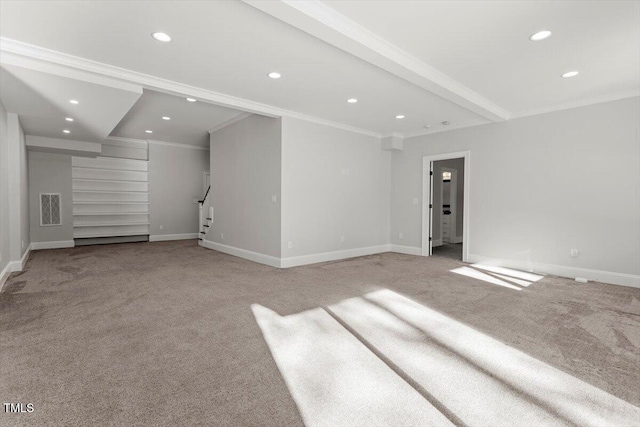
(426, 196)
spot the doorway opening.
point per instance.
(445, 216)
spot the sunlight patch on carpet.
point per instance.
(481, 380)
(334, 379)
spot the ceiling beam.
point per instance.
(327, 24)
(37, 58)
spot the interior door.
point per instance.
(430, 208)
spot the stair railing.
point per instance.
(202, 226)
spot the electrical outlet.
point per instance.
(574, 253)
(415, 200)
(400, 235)
(162, 227)
(348, 171)
(290, 244)
(222, 236)
(274, 199)
(341, 239)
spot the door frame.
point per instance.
(426, 200)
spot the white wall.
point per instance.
(176, 177)
(5, 257)
(14, 204)
(18, 188)
(50, 173)
(540, 186)
(245, 175)
(25, 205)
(334, 183)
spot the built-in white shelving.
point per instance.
(110, 197)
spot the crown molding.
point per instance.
(177, 145)
(323, 22)
(231, 121)
(46, 60)
(340, 126)
(119, 141)
(440, 129)
(577, 104)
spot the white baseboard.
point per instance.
(19, 265)
(52, 245)
(437, 242)
(294, 261)
(408, 250)
(332, 256)
(242, 253)
(457, 239)
(14, 266)
(609, 277)
(4, 275)
(164, 237)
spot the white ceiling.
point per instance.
(189, 124)
(42, 102)
(485, 45)
(475, 56)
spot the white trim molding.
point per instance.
(577, 104)
(242, 253)
(178, 145)
(229, 122)
(332, 256)
(4, 275)
(608, 277)
(322, 21)
(37, 58)
(19, 265)
(407, 250)
(165, 237)
(426, 168)
(36, 246)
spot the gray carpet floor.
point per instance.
(163, 333)
(449, 250)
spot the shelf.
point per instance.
(111, 192)
(92, 236)
(109, 213)
(111, 180)
(110, 224)
(108, 202)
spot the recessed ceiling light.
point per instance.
(570, 74)
(148, 131)
(400, 116)
(191, 100)
(74, 102)
(69, 119)
(540, 35)
(446, 123)
(166, 118)
(274, 75)
(66, 131)
(352, 100)
(161, 37)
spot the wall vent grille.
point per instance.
(50, 209)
